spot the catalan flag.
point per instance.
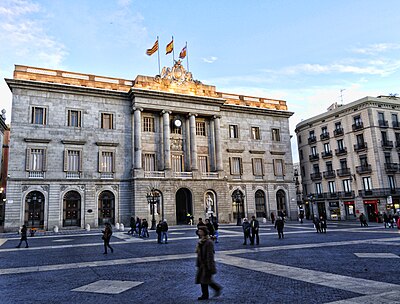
(170, 47)
(153, 49)
(182, 54)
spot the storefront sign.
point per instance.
(371, 202)
(334, 204)
(349, 203)
(389, 200)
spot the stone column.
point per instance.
(218, 149)
(193, 145)
(138, 137)
(133, 139)
(167, 140)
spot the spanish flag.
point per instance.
(182, 54)
(170, 47)
(153, 49)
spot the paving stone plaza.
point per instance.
(348, 264)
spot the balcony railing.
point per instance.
(36, 174)
(214, 175)
(383, 123)
(314, 157)
(396, 124)
(360, 147)
(184, 174)
(329, 174)
(326, 154)
(348, 194)
(324, 136)
(73, 175)
(312, 139)
(339, 152)
(366, 193)
(343, 172)
(332, 195)
(316, 176)
(357, 126)
(106, 175)
(391, 167)
(338, 132)
(379, 192)
(154, 174)
(387, 144)
(364, 169)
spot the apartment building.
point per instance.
(349, 159)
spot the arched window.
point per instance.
(281, 202)
(261, 210)
(106, 208)
(72, 209)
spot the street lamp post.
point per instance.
(237, 197)
(153, 198)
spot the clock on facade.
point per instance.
(177, 123)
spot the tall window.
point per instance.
(329, 166)
(343, 163)
(258, 166)
(279, 169)
(388, 158)
(347, 185)
(106, 121)
(340, 144)
(316, 168)
(381, 116)
(367, 183)
(392, 183)
(357, 120)
(360, 139)
(332, 187)
(276, 136)
(233, 131)
(318, 188)
(338, 125)
(203, 164)
(299, 139)
(177, 163)
(324, 130)
(236, 165)
(106, 162)
(200, 128)
(363, 160)
(314, 150)
(311, 133)
(395, 120)
(149, 162)
(36, 160)
(255, 133)
(74, 118)
(327, 148)
(72, 160)
(148, 124)
(38, 115)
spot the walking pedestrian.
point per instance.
(246, 230)
(24, 237)
(322, 224)
(107, 233)
(200, 223)
(138, 226)
(301, 217)
(255, 225)
(385, 219)
(158, 231)
(316, 223)
(363, 220)
(210, 228)
(206, 265)
(132, 224)
(279, 224)
(145, 228)
(272, 218)
(164, 230)
(216, 233)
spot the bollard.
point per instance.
(264, 220)
(55, 229)
(117, 226)
(87, 227)
(121, 227)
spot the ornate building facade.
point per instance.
(87, 149)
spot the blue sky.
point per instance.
(301, 51)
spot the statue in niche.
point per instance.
(209, 204)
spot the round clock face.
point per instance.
(177, 123)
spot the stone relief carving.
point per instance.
(45, 188)
(24, 188)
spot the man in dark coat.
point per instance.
(279, 224)
(322, 224)
(255, 225)
(246, 230)
(206, 264)
(132, 224)
(158, 231)
(164, 232)
(24, 237)
(107, 233)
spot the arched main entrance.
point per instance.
(261, 210)
(281, 202)
(106, 208)
(34, 209)
(183, 200)
(72, 209)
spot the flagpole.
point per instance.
(158, 52)
(173, 52)
(187, 57)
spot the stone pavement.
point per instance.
(348, 264)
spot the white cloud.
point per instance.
(211, 59)
(11, 8)
(376, 48)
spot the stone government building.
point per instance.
(87, 149)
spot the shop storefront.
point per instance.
(392, 205)
(371, 210)
(350, 210)
(334, 210)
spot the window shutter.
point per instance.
(65, 160)
(273, 164)
(44, 123)
(44, 159)
(79, 120)
(80, 161)
(28, 159)
(99, 162)
(283, 167)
